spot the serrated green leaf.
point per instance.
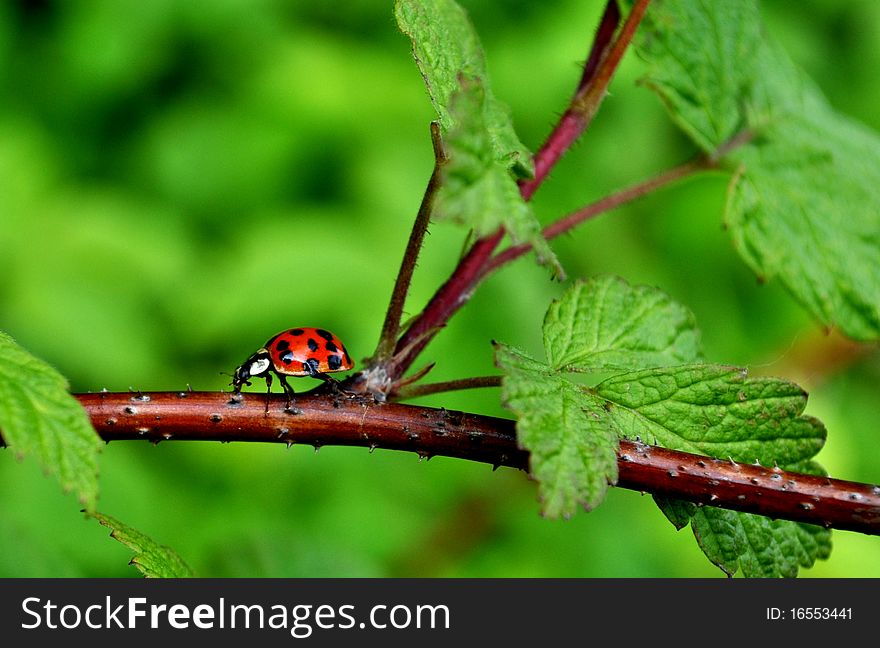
(446, 48)
(759, 546)
(481, 145)
(476, 189)
(714, 410)
(604, 323)
(39, 417)
(573, 450)
(699, 57)
(804, 205)
(719, 411)
(151, 558)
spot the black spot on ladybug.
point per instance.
(296, 331)
(310, 366)
(313, 346)
(332, 348)
(287, 358)
(282, 345)
(327, 335)
(334, 362)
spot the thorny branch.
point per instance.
(354, 420)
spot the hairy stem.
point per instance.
(391, 326)
(572, 123)
(601, 206)
(451, 385)
(343, 419)
(452, 295)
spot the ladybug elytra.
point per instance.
(304, 351)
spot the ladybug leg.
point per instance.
(287, 390)
(332, 383)
(268, 391)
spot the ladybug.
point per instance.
(304, 351)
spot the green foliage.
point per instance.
(804, 202)
(183, 180)
(759, 546)
(572, 447)
(714, 410)
(152, 559)
(450, 57)
(39, 417)
(571, 431)
(695, 53)
(603, 324)
(480, 143)
(599, 324)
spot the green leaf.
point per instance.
(699, 58)
(476, 189)
(572, 431)
(679, 512)
(39, 417)
(714, 410)
(804, 203)
(447, 49)
(604, 323)
(151, 558)
(805, 207)
(573, 450)
(761, 547)
(481, 145)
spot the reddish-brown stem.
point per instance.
(391, 326)
(572, 123)
(599, 207)
(588, 99)
(413, 391)
(601, 42)
(342, 419)
(567, 223)
(453, 294)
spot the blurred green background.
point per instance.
(180, 180)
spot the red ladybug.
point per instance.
(298, 352)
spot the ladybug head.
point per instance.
(257, 365)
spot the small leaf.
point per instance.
(39, 417)
(482, 148)
(152, 559)
(604, 323)
(446, 48)
(804, 202)
(476, 189)
(676, 511)
(761, 547)
(714, 410)
(573, 451)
